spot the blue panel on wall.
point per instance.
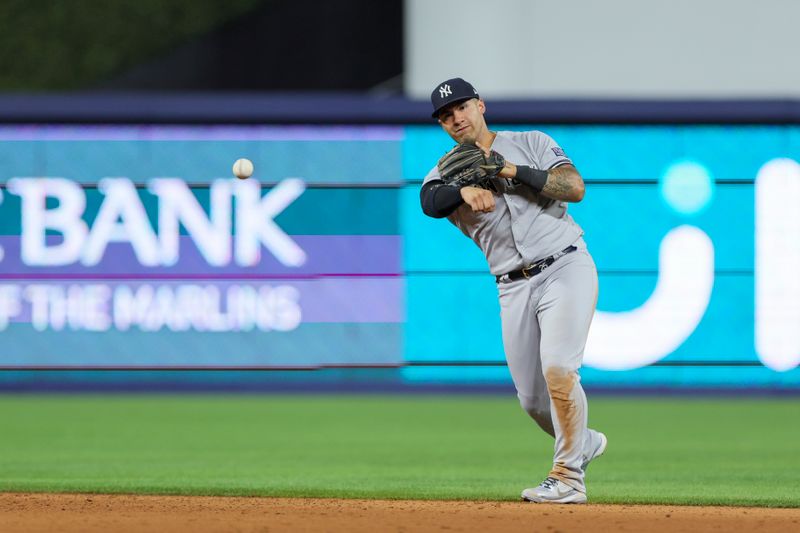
(626, 214)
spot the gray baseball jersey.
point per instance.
(524, 226)
(546, 318)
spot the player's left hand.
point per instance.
(509, 170)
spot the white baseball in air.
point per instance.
(243, 168)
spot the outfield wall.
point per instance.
(129, 246)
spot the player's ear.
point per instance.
(481, 106)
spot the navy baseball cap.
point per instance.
(449, 91)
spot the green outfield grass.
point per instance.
(679, 451)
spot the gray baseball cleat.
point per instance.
(598, 451)
(553, 491)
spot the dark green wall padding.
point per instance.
(55, 46)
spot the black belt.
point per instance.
(535, 268)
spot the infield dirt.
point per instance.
(109, 513)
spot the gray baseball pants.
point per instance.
(545, 322)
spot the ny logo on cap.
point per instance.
(444, 90)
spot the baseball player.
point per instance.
(516, 212)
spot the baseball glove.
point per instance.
(466, 165)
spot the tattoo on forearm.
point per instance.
(562, 184)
